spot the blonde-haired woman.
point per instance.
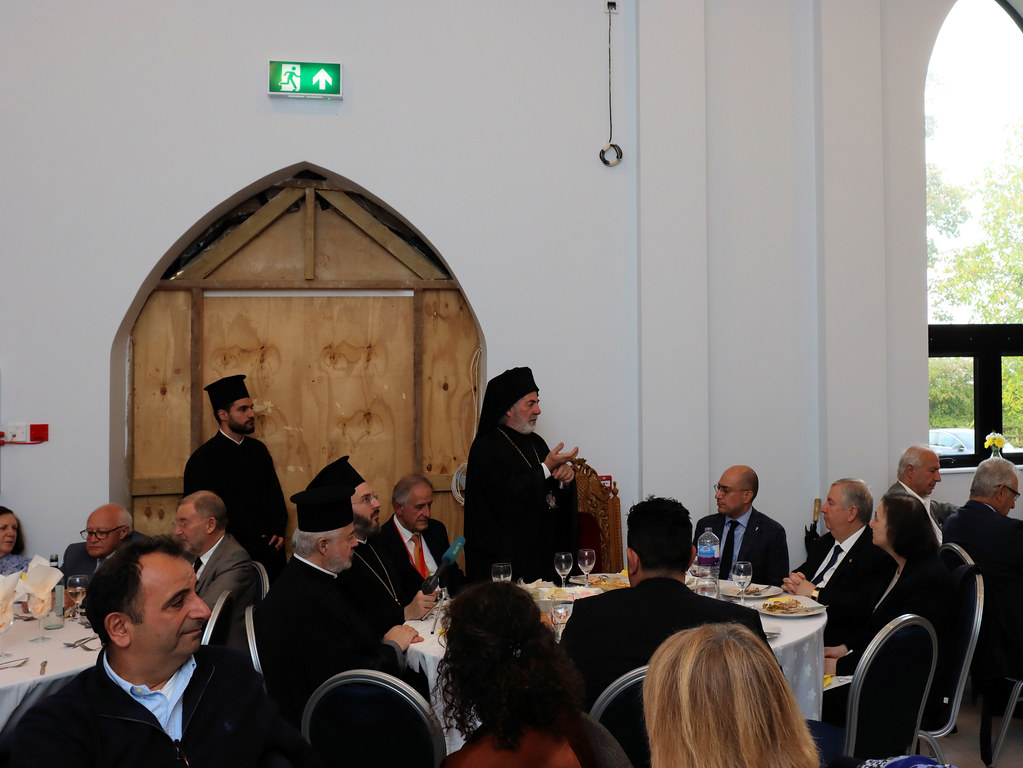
(714, 697)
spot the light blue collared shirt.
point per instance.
(740, 530)
(167, 703)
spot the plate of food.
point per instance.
(753, 590)
(603, 581)
(790, 607)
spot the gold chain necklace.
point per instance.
(519, 450)
(387, 584)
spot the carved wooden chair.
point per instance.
(600, 517)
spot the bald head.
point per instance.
(107, 527)
(736, 490)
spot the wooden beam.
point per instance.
(303, 285)
(157, 486)
(203, 265)
(417, 380)
(310, 233)
(389, 241)
(195, 386)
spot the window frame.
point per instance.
(987, 345)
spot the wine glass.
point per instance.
(587, 559)
(39, 607)
(501, 572)
(563, 565)
(742, 575)
(561, 610)
(6, 620)
(76, 591)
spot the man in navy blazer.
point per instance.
(412, 500)
(994, 540)
(850, 579)
(657, 605)
(755, 537)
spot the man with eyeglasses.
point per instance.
(751, 535)
(371, 584)
(106, 529)
(994, 540)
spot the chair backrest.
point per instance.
(365, 717)
(952, 555)
(957, 654)
(260, 582)
(250, 636)
(219, 624)
(889, 689)
(600, 517)
(620, 709)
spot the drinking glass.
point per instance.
(39, 607)
(587, 559)
(76, 591)
(500, 572)
(742, 575)
(563, 565)
(706, 585)
(561, 610)
(6, 620)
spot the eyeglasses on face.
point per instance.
(1015, 494)
(725, 489)
(97, 533)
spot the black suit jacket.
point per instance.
(855, 586)
(763, 544)
(995, 542)
(370, 587)
(611, 634)
(78, 560)
(406, 578)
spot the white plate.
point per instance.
(733, 592)
(810, 608)
(771, 630)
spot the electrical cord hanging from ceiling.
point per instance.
(610, 112)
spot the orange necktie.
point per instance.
(417, 555)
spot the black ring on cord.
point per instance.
(618, 154)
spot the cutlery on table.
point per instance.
(42, 668)
(81, 641)
(14, 663)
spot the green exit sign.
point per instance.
(305, 79)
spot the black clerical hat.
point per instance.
(225, 391)
(338, 472)
(324, 509)
(502, 393)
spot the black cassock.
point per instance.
(512, 514)
(243, 475)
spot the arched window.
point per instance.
(974, 154)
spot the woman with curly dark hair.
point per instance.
(511, 690)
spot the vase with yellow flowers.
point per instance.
(995, 442)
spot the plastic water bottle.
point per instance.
(708, 552)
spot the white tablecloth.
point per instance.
(21, 687)
(799, 649)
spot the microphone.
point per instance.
(446, 561)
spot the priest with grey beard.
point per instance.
(520, 499)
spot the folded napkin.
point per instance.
(36, 584)
(8, 586)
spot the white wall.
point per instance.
(730, 293)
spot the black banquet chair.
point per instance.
(956, 659)
(887, 694)
(620, 710)
(260, 582)
(250, 638)
(367, 718)
(218, 626)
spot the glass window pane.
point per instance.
(951, 405)
(1012, 403)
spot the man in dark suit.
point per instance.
(221, 564)
(844, 570)
(919, 471)
(306, 631)
(994, 540)
(657, 605)
(106, 529)
(414, 543)
(751, 535)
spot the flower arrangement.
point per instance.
(995, 439)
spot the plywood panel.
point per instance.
(345, 252)
(277, 254)
(161, 371)
(450, 342)
(330, 376)
(154, 515)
